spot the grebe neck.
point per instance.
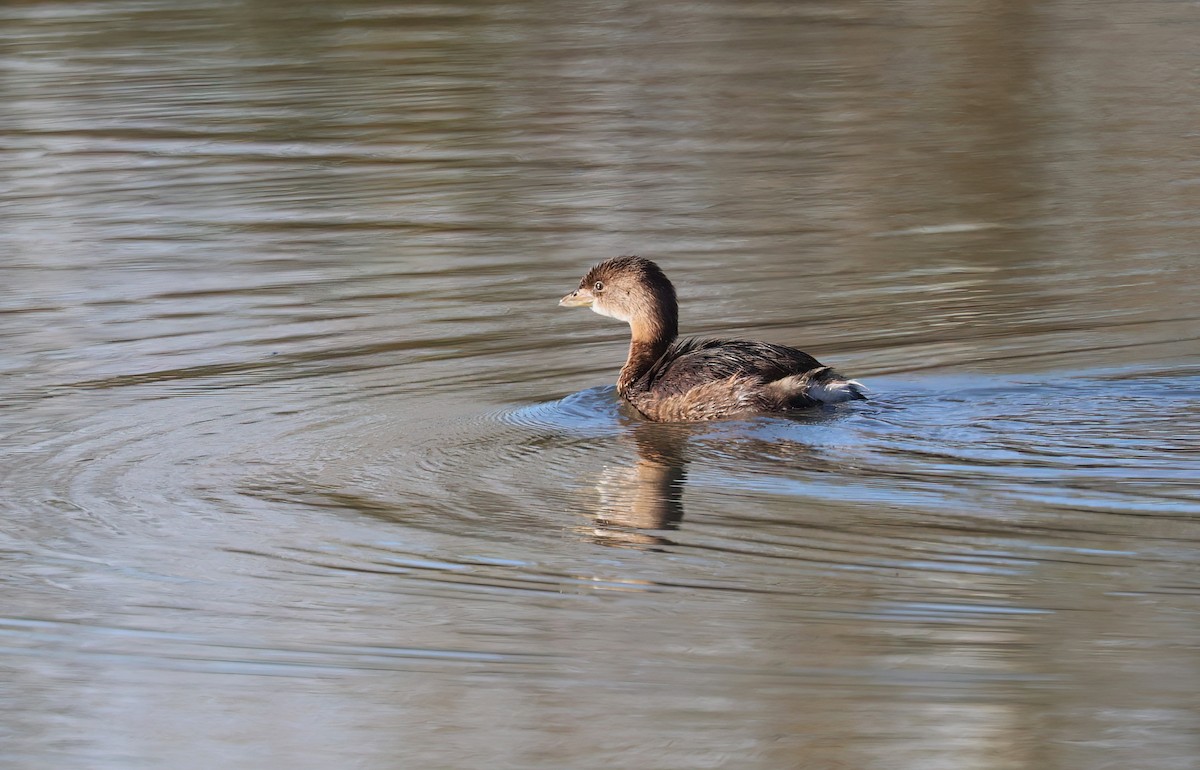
(648, 343)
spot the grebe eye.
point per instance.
(599, 286)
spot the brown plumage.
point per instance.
(669, 380)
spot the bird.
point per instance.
(666, 379)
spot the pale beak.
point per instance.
(578, 298)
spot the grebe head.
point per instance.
(629, 289)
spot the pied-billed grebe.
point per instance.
(697, 379)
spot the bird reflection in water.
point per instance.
(640, 501)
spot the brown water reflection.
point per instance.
(647, 495)
(304, 468)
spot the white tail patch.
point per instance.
(822, 385)
(837, 391)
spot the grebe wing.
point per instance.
(692, 362)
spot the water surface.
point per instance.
(304, 468)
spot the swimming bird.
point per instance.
(671, 380)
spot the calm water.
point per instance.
(304, 468)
